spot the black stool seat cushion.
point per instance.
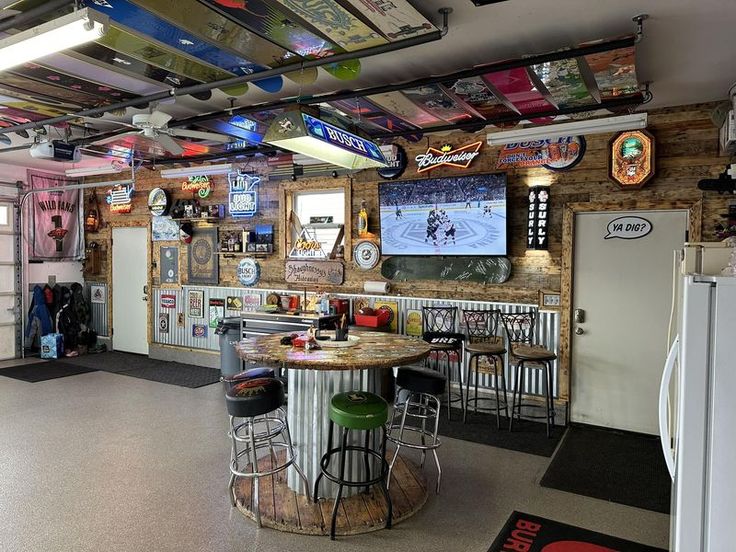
(250, 373)
(420, 380)
(444, 340)
(255, 397)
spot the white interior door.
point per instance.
(622, 286)
(9, 313)
(129, 297)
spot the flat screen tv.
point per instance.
(461, 215)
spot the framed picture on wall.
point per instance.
(203, 266)
(169, 265)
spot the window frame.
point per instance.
(287, 192)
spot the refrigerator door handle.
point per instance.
(664, 388)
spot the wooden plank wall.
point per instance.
(687, 150)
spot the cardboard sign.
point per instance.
(315, 272)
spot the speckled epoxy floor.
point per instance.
(98, 462)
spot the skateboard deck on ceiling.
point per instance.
(57, 78)
(36, 103)
(434, 100)
(395, 19)
(251, 127)
(208, 37)
(51, 91)
(564, 82)
(515, 87)
(614, 72)
(361, 108)
(478, 98)
(345, 120)
(482, 270)
(401, 106)
(288, 32)
(335, 22)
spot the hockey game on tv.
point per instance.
(464, 215)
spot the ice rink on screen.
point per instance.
(475, 233)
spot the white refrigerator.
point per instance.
(697, 416)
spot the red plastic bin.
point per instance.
(381, 319)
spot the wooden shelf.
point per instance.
(198, 219)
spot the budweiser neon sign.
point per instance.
(460, 158)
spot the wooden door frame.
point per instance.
(695, 215)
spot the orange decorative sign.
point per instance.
(199, 185)
(460, 158)
(631, 163)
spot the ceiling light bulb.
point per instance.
(54, 36)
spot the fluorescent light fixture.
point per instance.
(70, 30)
(223, 168)
(302, 133)
(93, 171)
(574, 128)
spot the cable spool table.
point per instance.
(313, 377)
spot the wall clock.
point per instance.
(366, 255)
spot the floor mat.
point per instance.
(537, 534)
(43, 371)
(529, 437)
(143, 367)
(611, 465)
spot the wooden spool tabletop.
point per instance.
(374, 350)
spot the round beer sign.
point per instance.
(249, 272)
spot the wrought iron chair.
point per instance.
(524, 353)
(483, 341)
(439, 330)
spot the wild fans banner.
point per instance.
(55, 222)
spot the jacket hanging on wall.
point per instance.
(39, 320)
(54, 226)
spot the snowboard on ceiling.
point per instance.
(34, 102)
(434, 100)
(70, 82)
(202, 33)
(516, 88)
(564, 82)
(614, 72)
(286, 30)
(474, 92)
(481, 270)
(363, 109)
(50, 91)
(395, 19)
(335, 22)
(401, 106)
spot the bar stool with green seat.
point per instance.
(356, 411)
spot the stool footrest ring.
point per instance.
(353, 448)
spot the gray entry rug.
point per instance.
(141, 366)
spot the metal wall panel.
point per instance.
(99, 310)
(547, 327)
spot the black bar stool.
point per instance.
(524, 353)
(484, 341)
(438, 329)
(357, 411)
(421, 403)
(259, 402)
(232, 380)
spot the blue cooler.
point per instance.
(52, 345)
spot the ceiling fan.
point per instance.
(154, 127)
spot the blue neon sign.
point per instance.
(243, 198)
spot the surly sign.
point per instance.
(460, 158)
(537, 236)
(243, 198)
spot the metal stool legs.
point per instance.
(549, 400)
(380, 479)
(448, 375)
(420, 406)
(247, 433)
(498, 374)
